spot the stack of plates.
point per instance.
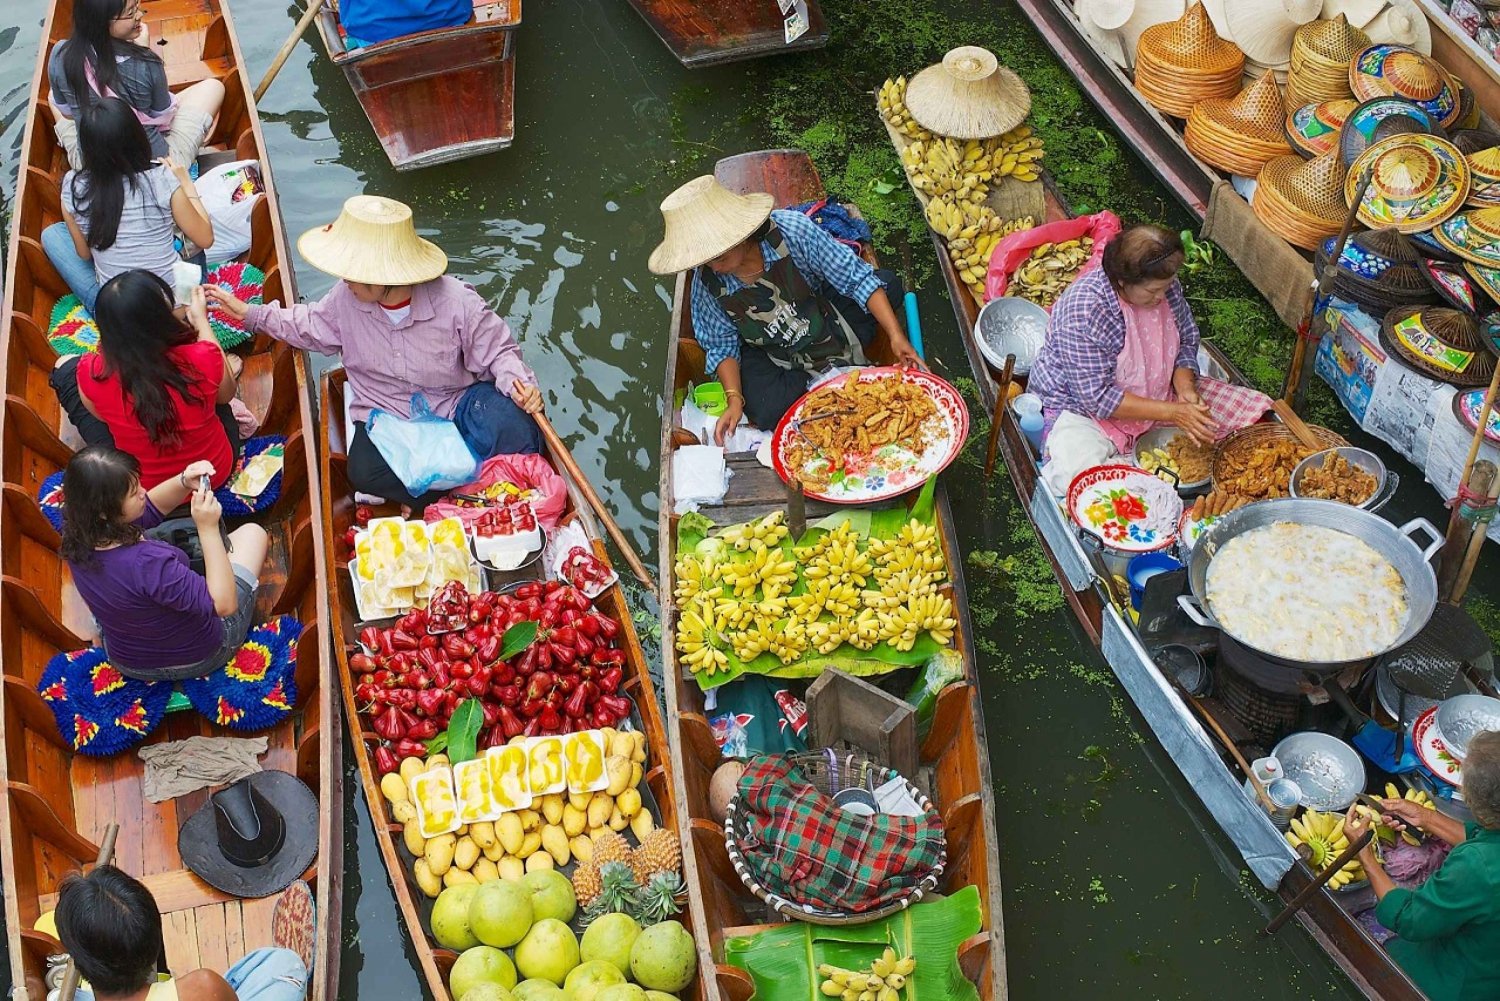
(1416, 181)
(1182, 62)
(1321, 51)
(1240, 135)
(1397, 71)
(1313, 129)
(1302, 200)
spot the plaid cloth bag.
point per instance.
(800, 846)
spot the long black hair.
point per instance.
(91, 44)
(96, 483)
(116, 152)
(137, 329)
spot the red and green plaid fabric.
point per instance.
(800, 846)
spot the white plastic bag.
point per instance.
(425, 452)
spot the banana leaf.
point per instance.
(784, 960)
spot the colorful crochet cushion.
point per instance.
(50, 496)
(72, 330)
(100, 712)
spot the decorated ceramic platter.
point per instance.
(870, 434)
(1466, 407)
(1126, 508)
(1433, 753)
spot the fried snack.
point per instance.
(1265, 472)
(863, 416)
(1194, 461)
(1212, 505)
(1336, 478)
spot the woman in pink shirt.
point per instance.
(404, 328)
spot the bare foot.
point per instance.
(236, 365)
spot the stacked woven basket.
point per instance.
(1240, 134)
(1321, 51)
(1302, 200)
(1185, 61)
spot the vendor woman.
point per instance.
(1121, 357)
(1448, 929)
(776, 300)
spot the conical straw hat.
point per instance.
(1263, 29)
(1359, 12)
(703, 219)
(1302, 200)
(1095, 18)
(1416, 181)
(1147, 14)
(1313, 129)
(1242, 134)
(373, 242)
(1320, 60)
(1484, 173)
(969, 95)
(1386, 69)
(1402, 23)
(1473, 235)
(1185, 61)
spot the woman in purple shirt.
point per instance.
(158, 619)
(404, 328)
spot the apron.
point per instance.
(781, 314)
(1145, 365)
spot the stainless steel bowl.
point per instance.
(1011, 326)
(1366, 460)
(1329, 771)
(1463, 717)
(1158, 438)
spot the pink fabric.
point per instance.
(162, 121)
(532, 472)
(1233, 407)
(1011, 252)
(1145, 365)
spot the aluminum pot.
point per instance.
(1392, 543)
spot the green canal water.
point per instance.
(1115, 879)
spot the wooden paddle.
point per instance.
(1296, 425)
(998, 416)
(69, 986)
(1301, 899)
(561, 454)
(1455, 548)
(287, 46)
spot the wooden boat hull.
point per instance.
(58, 803)
(436, 96)
(712, 32)
(337, 516)
(955, 752)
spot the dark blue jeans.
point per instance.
(490, 422)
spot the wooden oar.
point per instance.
(288, 45)
(561, 454)
(1301, 899)
(1456, 546)
(999, 415)
(1239, 759)
(69, 985)
(1296, 425)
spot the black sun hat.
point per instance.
(253, 838)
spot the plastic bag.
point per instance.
(943, 669)
(1015, 248)
(425, 452)
(528, 472)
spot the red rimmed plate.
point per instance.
(1434, 754)
(890, 470)
(1125, 507)
(1466, 407)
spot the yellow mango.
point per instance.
(539, 860)
(439, 853)
(430, 884)
(466, 853)
(575, 819)
(511, 867)
(410, 769)
(618, 769)
(393, 788)
(555, 842)
(530, 845)
(485, 871)
(642, 824)
(628, 803)
(510, 832)
(483, 834)
(455, 876)
(552, 808)
(415, 843)
(581, 847)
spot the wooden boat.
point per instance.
(58, 803)
(710, 32)
(436, 96)
(1201, 755)
(954, 759)
(337, 516)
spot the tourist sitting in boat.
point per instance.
(404, 329)
(110, 924)
(122, 210)
(158, 387)
(1121, 357)
(775, 299)
(158, 620)
(1448, 929)
(368, 22)
(108, 55)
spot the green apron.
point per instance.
(781, 314)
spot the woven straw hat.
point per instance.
(1442, 343)
(1402, 23)
(1484, 176)
(703, 219)
(1302, 200)
(1313, 129)
(1379, 269)
(1182, 62)
(1243, 134)
(1469, 114)
(1098, 21)
(1386, 70)
(1473, 140)
(1453, 284)
(1263, 29)
(1359, 12)
(1138, 16)
(1487, 279)
(1106, 15)
(1321, 52)
(1379, 119)
(373, 242)
(1416, 181)
(1473, 235)
(969, 95)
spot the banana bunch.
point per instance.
(883, 981)
(891, 99)
(838, 598)
(1322, 835)
(1049, 270)
(901, 625)
(840, 563)
(790, 641)
(1417, 796)
(828, 636)
(694, 641)
(863, 631)
(840, 536)
(767, 568)
(754, 641)
(693, 581)
(768, 531)
(1018, 154)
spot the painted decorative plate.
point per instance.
(1189, 530)
(859, 476)
(1126, 508)
(1433, 753)
(1466, 407)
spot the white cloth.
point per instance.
(745, 438)
(1075, 444)
(699, 476)
(231, 218)
(179, 767)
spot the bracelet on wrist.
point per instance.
(734, 392)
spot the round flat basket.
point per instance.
(1237, 448)
(826, 772)
(1440, 342)
(1416, 182)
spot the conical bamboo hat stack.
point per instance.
(1242, 134)
(1302, 200)
(1320, 61)
(1185, 61)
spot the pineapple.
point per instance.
(586, 883)
(611, 847)
(618, 891)
(657, 900)
(659, 852)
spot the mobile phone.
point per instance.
(205, 484)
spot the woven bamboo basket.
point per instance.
(1451, 327)
(1237, 449)
(1182, 62)
(1243, 134)
(1302, 200)
(828, 772)
(1321, 52)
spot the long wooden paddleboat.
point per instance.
(1202, 756)
(58, 804)
(954, 757)
(711, 32)
(436, 96)
(338, 515)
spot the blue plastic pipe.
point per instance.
(914, 325)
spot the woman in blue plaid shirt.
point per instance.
(775, 299)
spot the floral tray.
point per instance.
(1434, 754)
(1466, 407)
(1125, 507)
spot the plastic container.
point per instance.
(1285, 795)
(1267, 769)
(1142, 568)
(711, 398)
(1026, 403)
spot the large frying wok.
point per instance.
(1392, 543)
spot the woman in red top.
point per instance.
(158, 387)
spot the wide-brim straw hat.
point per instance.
(1428, 244)
(1313, 129)
(1098, 20)
(969, 95)
(1389, 70)
(1455, 287)
(373, 242)
(1469, 112)
(1301, 200)
(1243, 134)
(1473, 235)
(1264, 29)
(1321, 52)
(1359, 12)
(703, 219)
(1484, 176)
(1182, 62)
(1379, 119)
(1441, 342)
(1487, 279)
(1473, 140)
(1416, 181)
(1401, 22)
(1146, 14)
